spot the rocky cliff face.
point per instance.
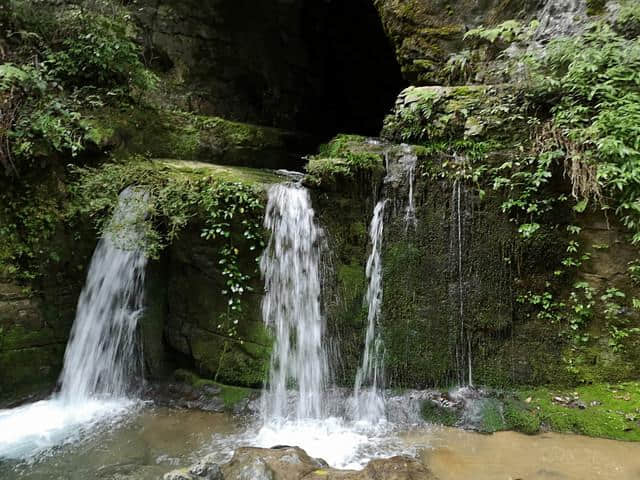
(426, 33)
(464, 287)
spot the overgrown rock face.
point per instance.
(303, 65)
(30, 349)
(426, 32)
(470, 294)
(35, 323)
(195, 326)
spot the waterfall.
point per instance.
(103, 357)
(290, 266)
(102, 361)
(463, 352)
(368, 399)
(409, 160)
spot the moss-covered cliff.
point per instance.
(517, 261)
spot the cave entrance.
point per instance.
(360, 75)
(315, 66)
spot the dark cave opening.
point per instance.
(319, 67)
(361, 77)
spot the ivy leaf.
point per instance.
(581, 205)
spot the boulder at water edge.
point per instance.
(293, 463)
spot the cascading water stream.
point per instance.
(102, 361)
(457, 224)
(298, 405)
(367, 394)
(102, 357)
(291, 270)
(368, 398)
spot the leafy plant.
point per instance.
(69, 61)
(506, 32)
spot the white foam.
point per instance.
(342, 444)
(30, 430)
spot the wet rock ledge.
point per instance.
(293, 463)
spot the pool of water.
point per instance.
(456, 454)
(142, 445)
(149, 441)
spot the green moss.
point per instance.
(352, 281)
(181, 135)
(611, 410)
(435, 413)
(492, 418)
(443, 31)
(519, 417)
(345, 157)
(29, 369)
(261, 178)
(595, 7)
(230, 395)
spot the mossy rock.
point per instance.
(425, 33)
(346, 158)
(173, 134)
(230, 395)
(424, 115)
(433, 412)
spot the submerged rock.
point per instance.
(293, 463)
(207, 468)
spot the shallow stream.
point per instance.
(150, 441)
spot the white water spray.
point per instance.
(290, 266)
(298, 408)
(367, 395)
(102, 359)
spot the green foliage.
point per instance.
(31, 212)
(459, 67)
(96, 50)
(506, 32)
(594, 79)
(68, 61)
(345, 156)
(610, 411)
(628, 20)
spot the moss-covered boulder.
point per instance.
(425, 33)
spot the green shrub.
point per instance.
(65, 62)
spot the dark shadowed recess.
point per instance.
(314, 66)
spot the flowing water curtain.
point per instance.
(103, 356)
(368, 399)
(291, 266)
